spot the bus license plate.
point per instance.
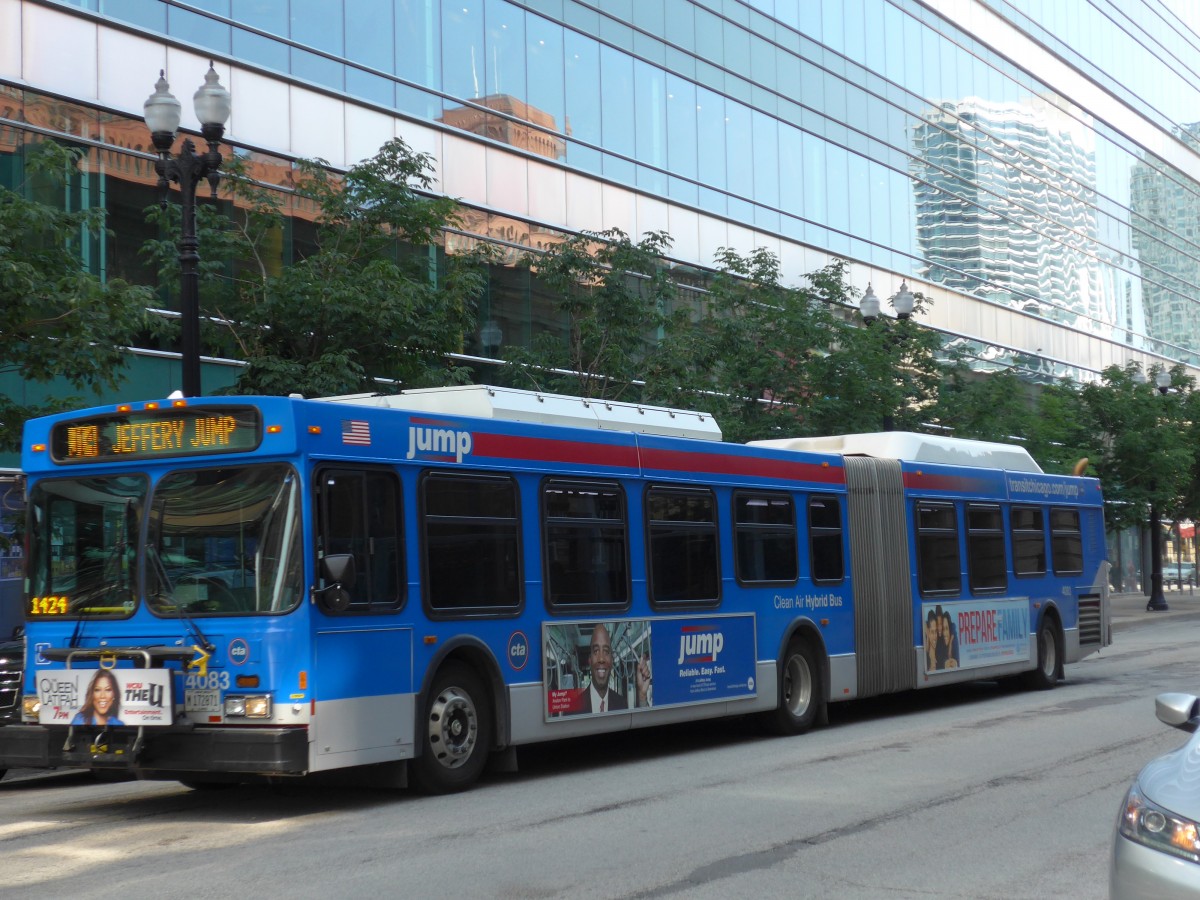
(207, 702)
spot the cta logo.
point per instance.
(441, 441)
(700, 644)
(239, 651)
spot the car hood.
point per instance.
(1173, 781)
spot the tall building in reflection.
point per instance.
(1005, 198)
(1166, 235)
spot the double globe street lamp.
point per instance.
(187, 169)
(903, 302)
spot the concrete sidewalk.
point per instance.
(1132, 606)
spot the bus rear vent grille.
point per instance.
(1089, 621)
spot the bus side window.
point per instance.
(586, 540)
(1028, 541)
(472, 543)
(1066, 541)
(987, 570)
(938, 567)
(825, 554)
(360, 515)
(682, 549)
(764, 537)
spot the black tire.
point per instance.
(801, 691)
(455, 734)
(1045, 676)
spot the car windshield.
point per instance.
(224, 541)
(82, 545)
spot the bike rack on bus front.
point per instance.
(107, 658)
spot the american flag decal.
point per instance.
(356, 431)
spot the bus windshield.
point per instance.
(82, 545)
(225, 541)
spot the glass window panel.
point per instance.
(710, 119)
(418, 42)
(370, 34)
(505, 49)
(737, 50)
(791, 170)
(680, 22)
(263, 14)
(650, 114)
(369, 86)
(710, 37)
(260, 50)
(838, 167)
(766, 159)
(317, 69)
(583, 97)
(137, 12)
(544, 57)
(681, 126)
(739, 147)
(859, 199)
(463, 58)
(200, 29)
(815, 182)
(318, 24)
(832, 32)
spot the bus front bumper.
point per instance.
(249, 751)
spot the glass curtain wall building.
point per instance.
(1031, 166)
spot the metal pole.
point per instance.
(1158, 603)
(188, 168)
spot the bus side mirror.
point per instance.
(339, 573)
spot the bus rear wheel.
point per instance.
(455, 734)
(801, 694)
(1045, 676)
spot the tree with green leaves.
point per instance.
(60, 325)
(368, 301)
(614, 299)
(1140, 443)
(748, 357)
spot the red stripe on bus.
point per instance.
(948, 483)
(501, 446)
(757, 467)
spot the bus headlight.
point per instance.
(248, 706)
(1152, 826)
(30, 707)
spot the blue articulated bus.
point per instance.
(226, 589)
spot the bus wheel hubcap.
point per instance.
(453, 727)
(798, 687)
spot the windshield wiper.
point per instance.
(181, 609)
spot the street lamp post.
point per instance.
(1157, 601)
(188, 168)
(902, 302)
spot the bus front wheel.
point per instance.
(456, 732)
(801, 694)
(1045, 676)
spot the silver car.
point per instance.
(1156, 848)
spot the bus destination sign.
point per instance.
(152, 434)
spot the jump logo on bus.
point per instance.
(440, 441)
(700, 644)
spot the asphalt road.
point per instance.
(977, 791)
